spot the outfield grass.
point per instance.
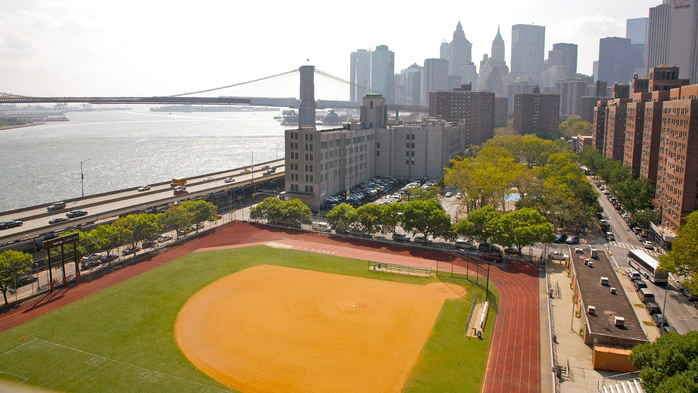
(122, 338)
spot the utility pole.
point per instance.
(82, 177)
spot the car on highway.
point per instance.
(180, 191)
(648, 245)
(572, 240)
(400, 237)
(465, 245)
(130, 250)
(10, 224)
(512, 251)
(75, 213)
(56, 206)
(56, 220)
(491, 257)
(558, 256)
(229, 179)
(163, 238)
(267, 172)
(143, 188)
(208, 178)
(266, 167)
(246, 170)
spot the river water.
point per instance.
(128, 148)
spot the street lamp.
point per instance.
(82, 177)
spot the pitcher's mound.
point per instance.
(271, 328)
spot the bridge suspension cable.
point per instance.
(323, 73)
(235, 85)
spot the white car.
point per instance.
(229, 179)
(448, 194)
(558, 256)
(459, 196)
(143, 188)
(648, 244)
(208, 178)
(164, 238)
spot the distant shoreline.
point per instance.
(20, 126)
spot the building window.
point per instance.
(378, 154)
(378, 145)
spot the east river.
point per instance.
(128, 148)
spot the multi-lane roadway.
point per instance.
(109, 205)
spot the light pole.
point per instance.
(82, 177)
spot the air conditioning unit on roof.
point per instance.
(591, 310)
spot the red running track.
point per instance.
(514, 360)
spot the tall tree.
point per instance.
(427, 217)
(369, 217)
(523, 227)
(295, 213)
(12, 264)
(670, 364)
(341, 217)
(269, 209)
(478, 224)
(142, 226)
(683, 257)
(392, 216)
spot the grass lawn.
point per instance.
(122, 338)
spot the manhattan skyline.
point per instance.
(81, 47)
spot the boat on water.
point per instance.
(289, 117)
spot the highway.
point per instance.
(110, 205)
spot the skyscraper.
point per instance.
(434, 77)
(614, 60)
(409, 85)
(383, 73)
(636, 32)
(460, 52)
(494, 68)
(360, 74)
(569, 57)
(498, 48)
(527, 51)
(672, 37)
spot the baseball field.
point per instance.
(256, 319)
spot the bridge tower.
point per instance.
(307, 96)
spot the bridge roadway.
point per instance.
(110, 205)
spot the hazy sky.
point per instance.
(146, 47)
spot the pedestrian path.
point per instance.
(634, 247)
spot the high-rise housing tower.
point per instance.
(360, 74)
(527, 51)
(383, 73)
(672, 37)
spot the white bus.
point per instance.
(647, 266)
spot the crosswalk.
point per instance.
(634, 247)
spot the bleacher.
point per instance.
(630, 386)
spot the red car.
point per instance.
(180, 191)
(266, 167)
(491, 257)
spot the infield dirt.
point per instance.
(271, 328)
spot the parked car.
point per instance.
(689, 295)
(448, 194)
(56, 206)
(163, 238)
(399, 237)
(659, 319)
(197, 227)
(653, 308)
(639, 284)
(143, 188)
(491, 257)
(572, 240)
(90, 264)
(92, 257)
(490, 248)
(148, 244)
(666, 330)
(56, 220)
(561, 238)
(422, 240)
(633, 274)
(10, 224)
(108, 258)
(229, 179)
(558, 256)
(465, 245)
(512, 251)
(24, 280)
(76, 213)
(130, 250)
